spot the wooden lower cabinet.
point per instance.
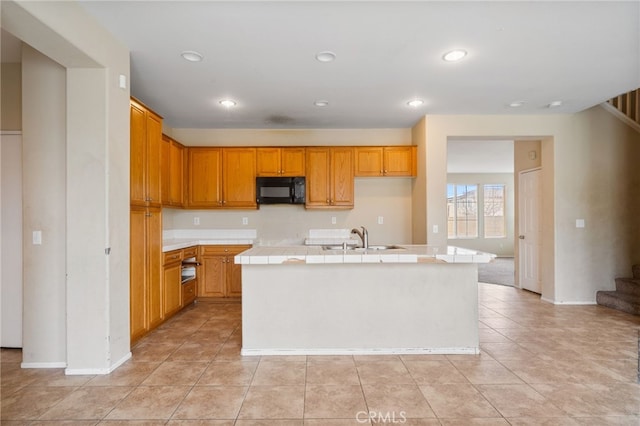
(146, 309)
(218, 275)
(171, 282)
(188, 292)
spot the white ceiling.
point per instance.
(262, 54)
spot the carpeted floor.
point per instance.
(500, 271)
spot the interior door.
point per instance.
(529, 189)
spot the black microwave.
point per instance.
(280, 190)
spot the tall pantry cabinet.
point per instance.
(145, 221)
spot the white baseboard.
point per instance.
(569, 302)
(97, 371)
(342, 351)
(43, 365)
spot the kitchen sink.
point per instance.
(370, 248)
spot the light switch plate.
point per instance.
(380, 220)
(245, 220)
(37, 238)
(579, 223)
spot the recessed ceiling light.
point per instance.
(192, 56)
(325, 56)
(321, 103)
(415, 103)
(516, 104)
(228, 103)
(554, 104)
(454, 55)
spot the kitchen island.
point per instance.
(414, 299)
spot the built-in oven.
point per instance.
(188, 271)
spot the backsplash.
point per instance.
(389, 198)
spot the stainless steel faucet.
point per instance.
(364, 236)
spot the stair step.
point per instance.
(628, 286)
(623, 302)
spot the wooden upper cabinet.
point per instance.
(369, 161)
(221, 177)
(172, 172)
(204, 167)
(146, 139)
(275, 161)
(400, 160)
(239, 177)
(329, 177)
(386, 161)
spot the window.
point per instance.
(462, 211)
(465, 201)
(494, 206)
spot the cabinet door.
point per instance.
(318, 163)
(138, 126)
(211, 276)
(172, 287)
(369, 161)
(239, 177)
(154, 147)
(342, 177)
(204, 171)
(154, 265)
(165, 168)
(234, 272)
(400, 161)
(268, 161)
(138, 318)
(292, 162)
(176, 174)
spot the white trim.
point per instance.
(94, 371)
(569, 302)
(622, 116)
(10, 132)
(355, 351)
(43, 365)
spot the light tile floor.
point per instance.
(540, 364)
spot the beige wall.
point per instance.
(11, 96)
(419, 186)
(44, 210)
(587, 170)
(87, 152)
(386, 197)
(499, 246)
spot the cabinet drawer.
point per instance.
(222, 250)
(188, 292)
(189, 252)
(173, 256)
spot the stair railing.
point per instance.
(628, 104)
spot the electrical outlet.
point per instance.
(435, 229)
(380, 220)
(333, 220)
(245, 220)
(196, 220)
(37, 238)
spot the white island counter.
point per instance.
(307, 300)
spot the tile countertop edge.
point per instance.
(316, 255)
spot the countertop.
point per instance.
(408, 253)
(182, 238)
